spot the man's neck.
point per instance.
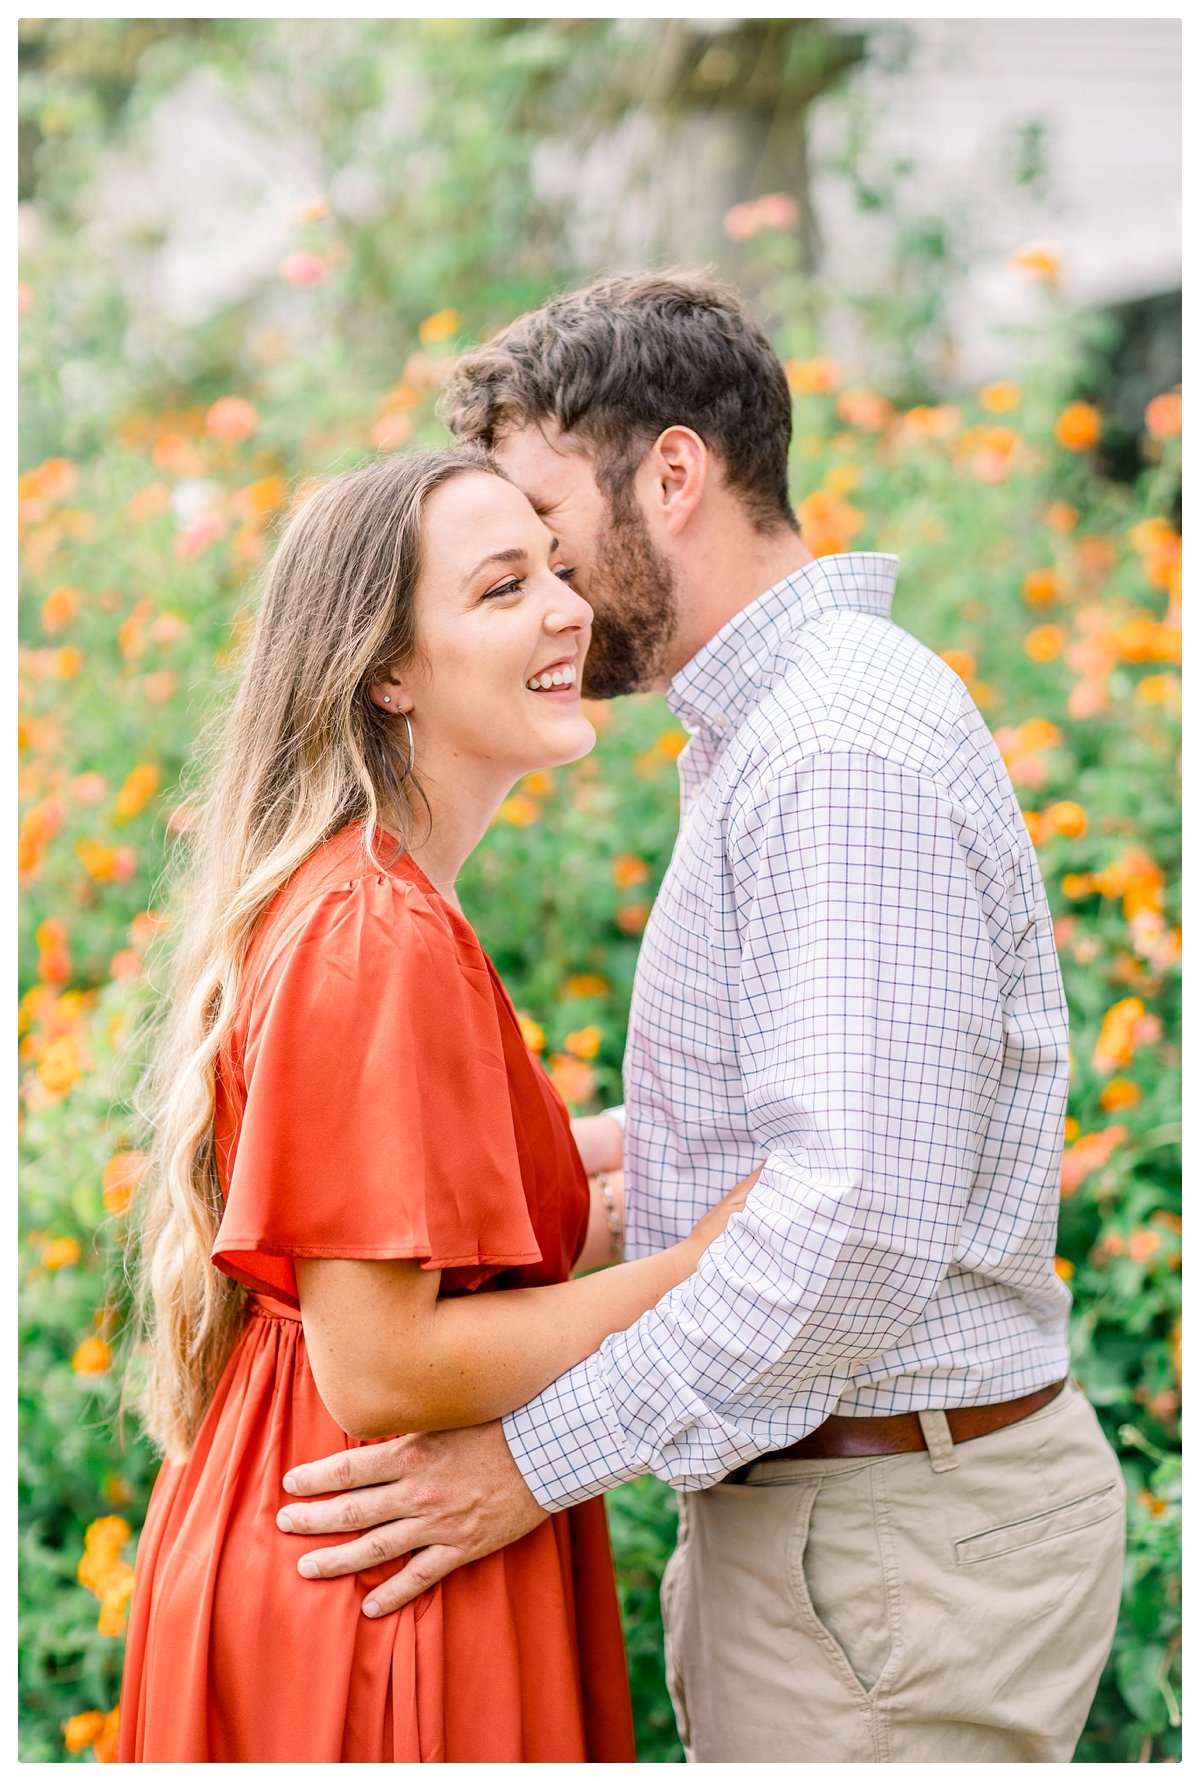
(733, 572)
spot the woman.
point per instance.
(354, 1149)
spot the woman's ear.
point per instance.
(390, 695)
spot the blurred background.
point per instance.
(249, 251)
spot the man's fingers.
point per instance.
(424, 1569)
(347, 1514)
(351, 1469)
(378, 1547)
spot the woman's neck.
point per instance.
(458, 819)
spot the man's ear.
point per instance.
(680, 465)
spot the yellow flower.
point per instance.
(533, 1035)
(1063, 1268)
(585, 1043)
(1039, 259)
(60, 1066)
(92, 1356)
(813, 377)
(539, 783)
(519, 811)
(98, 860)
(442, 326)
(586, 983)
(843, 479)
(1041, 586)
(1118, 1035)
(1000, 398)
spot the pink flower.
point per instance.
(197, 537)
(303, 268)
(775, 210)
(232, 418)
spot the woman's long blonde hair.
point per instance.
(301, 752)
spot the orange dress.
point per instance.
(376, 1100)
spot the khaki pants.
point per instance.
(953, 1605)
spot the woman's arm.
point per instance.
(603, 1244)
(390, 1357)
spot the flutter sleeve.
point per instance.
(377, 1121)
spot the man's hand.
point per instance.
(447, 1498)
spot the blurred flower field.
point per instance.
(1053, 591)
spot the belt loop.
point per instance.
(938, 1439)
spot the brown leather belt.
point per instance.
(862, 1437)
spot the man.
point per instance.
(901, 1533)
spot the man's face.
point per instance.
(624, 577)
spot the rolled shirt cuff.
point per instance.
(566, 1444)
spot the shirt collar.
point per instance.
(725, 678)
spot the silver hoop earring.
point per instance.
(412, 751)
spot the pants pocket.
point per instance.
(1050, 1524)
(844, 1582)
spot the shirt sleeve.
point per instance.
(377, 1121)
(871, 1038)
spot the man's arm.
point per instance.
(871, 1040)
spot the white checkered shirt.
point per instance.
(850, 972)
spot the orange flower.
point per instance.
(137, 791)
(1088, 1154)
(1077, 427)
(1119, 1094)
(1134, 877)
(1143, 1244)
(518, 811)
(60, 606)
(1088, 698)
(391, 432)
(106, 1744)
(1063, 1268)
(1164, 415)
(1061, 517)
(1045, 642)
(1146, 639)
(1039, 259)
(81, 1731)
(1066, 818)
(940, 420)
(195, 539)
(1000, 398)
(670, 745)
(1070, 1130)
(827, 522)
(121, 1178)
(533, 1035)
(98, 860)
(628, 870)
(1076, 885)
(441, 326)
(232, 419)
(93, 1356)
(178, 455)
(124, 965)
(813, 377)
(586, 983)
(962, 661)
(67, 664)
(258, 499)
(865, 409)
(150, 501)
(574, 1079)
(1035, 823)
(1118, 1035)
(61, 1252)
(147, 926)
(585, 1043)
(1041, 587)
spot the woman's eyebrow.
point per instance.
(502, 556)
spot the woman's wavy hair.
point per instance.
(301, 752)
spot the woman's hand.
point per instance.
(706, 1230)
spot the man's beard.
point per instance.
(636, 612)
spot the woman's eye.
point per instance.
(567, 575)
(508, 587)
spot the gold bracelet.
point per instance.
(616, 1228)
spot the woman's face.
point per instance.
(493, 689)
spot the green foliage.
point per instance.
(145, 515)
